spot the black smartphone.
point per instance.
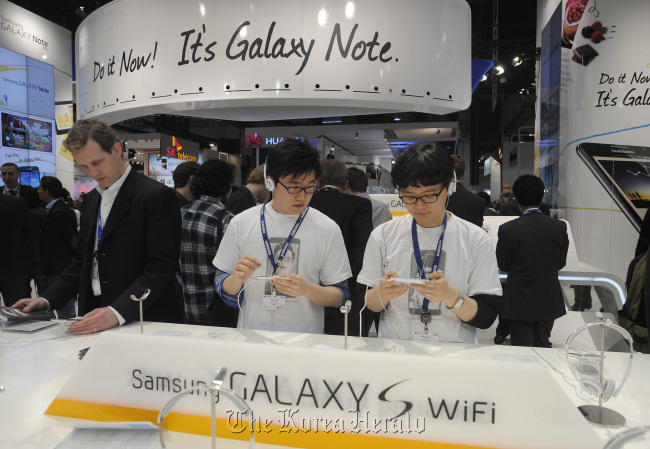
(30, 176)
(624, 171)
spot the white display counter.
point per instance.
(35, 368)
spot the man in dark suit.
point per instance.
(10, 177)
(532, 249)
(462, 203)
(129, 240)
(59, 233)
(253, 193)
(353, 214)
(511, 208)
(16, 224)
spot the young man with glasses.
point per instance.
(458, 286)
(300, 248)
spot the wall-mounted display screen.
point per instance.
(27, 116)
(624, 171)
(165, 166)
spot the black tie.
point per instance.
(12, 192)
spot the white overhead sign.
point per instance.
(260, 59)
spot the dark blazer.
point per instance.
(16, 225)
(240, 200)
(57, 248)
(353, 214)
(511, 209)
(140, 249)
(30, 195)
(532, 249)
(466, 205)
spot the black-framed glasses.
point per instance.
(295, 190)
(429, 199)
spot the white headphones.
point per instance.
(585, 365)
(268, 182)
(451, 188)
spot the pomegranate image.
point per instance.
(572, 15)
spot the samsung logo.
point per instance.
(623, 151)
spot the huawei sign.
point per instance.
(253, 140)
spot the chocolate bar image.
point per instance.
(584, 54)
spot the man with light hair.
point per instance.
(129, 241)
(250, 195)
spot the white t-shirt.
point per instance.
(317, 253)
(468, 261)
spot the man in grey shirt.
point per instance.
(357, 185)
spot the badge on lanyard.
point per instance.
(269, 252)
(425, 314)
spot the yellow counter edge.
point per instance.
(270, 434)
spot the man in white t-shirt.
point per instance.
(462, 289)
(302, 248)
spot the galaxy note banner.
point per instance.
(373, 54)
(298, 396)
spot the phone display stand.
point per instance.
(213, 388)
(140, 300)
(345, 310)
(588, 368)
(637, 437)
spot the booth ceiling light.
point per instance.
(322, 17)
(517, 61)
(499, 70)
(349, 10)
(484, 78)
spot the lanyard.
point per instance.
(418, 257)
(100, 227)
(285, 247)
(530, 211)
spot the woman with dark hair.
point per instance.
(456, 287)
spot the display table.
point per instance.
(36, 366)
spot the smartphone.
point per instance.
(30, 176)
(624, 171)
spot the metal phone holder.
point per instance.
(140, 300)
(345, 310)
(213, 388)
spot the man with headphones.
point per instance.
(298, 251)
(454, 281)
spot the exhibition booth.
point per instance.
(253, 61)
(375, 393)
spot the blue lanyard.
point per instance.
(418, 257)
(285, 247)
(530, 211)
(100, 227)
